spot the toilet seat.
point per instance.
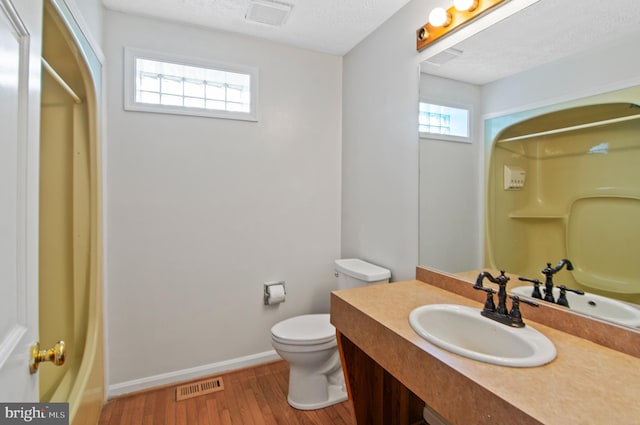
(308, 329)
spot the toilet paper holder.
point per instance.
(267, 290)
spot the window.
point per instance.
(443, 122)
(157, 83)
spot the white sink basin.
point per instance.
(462, 330)
(593, 305)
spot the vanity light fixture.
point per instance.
(442, 22)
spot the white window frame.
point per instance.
(130, 104)
(449, 137)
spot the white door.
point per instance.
(20, 35)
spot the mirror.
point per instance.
(546, 58)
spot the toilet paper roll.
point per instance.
(276, 294)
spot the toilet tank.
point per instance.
(352, 272)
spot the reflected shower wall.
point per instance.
(580, 199)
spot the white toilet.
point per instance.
(308, 343)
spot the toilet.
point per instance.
(308, 343)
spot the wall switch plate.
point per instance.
(514, 177)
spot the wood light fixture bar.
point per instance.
(428, 33)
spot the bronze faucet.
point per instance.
(501, 314)
(548, 284)
(549, 272)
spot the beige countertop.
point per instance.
(587, 383)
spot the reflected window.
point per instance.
(435, 121)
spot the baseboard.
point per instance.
(189, 374)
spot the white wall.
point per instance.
(380, 145)
(201, 212)
(382, 172)
(450, 191)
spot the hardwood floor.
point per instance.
(253, 396)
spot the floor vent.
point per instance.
(195, 389)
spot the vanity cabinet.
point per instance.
(392, 372)
(378, 397)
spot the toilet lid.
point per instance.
(308, 329)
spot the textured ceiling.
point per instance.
(329, 26)
(544, 32)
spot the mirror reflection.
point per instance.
(559, 142)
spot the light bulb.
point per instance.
(465, 5)
(439, 17)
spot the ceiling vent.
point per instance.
(268, 12)
(444, 57)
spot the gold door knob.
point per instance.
(55, 355)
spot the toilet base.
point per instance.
(337, 394)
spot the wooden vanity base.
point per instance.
(378, 398)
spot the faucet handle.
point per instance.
(514, 313)
(562, 299)
(575, 291)
(489, 305)
(517, 299)
(536, 286)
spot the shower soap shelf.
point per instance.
(537, 213)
